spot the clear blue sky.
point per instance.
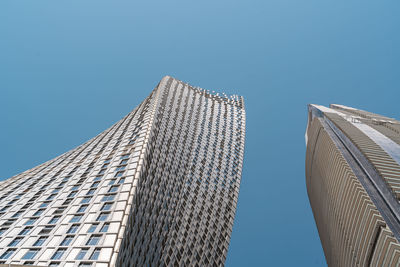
(70, 69)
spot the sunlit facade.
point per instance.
(158, 188)
(353, 183)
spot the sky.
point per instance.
(70, 69)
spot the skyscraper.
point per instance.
(158, 188)
(353, 183)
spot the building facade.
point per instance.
(158, 188)
(353, 184)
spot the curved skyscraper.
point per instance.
(353, 183)
(158, 188)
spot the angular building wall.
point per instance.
(159, 187)
(352, 177)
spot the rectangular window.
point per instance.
(75, 187)
(82, 208)
(113, 189)
(119, 174)
(126, 156)
(120, 168)
(81, 254)
(8, 253)
(59, 210)
(72, 194)
(52, 196)
(30, 221)
(95, 254)
(107, 206)
(111, 182)
(91, 191)
(92, 228)
(58, 254)
(93, 240)
(95, 184)
(15, 241)
(108, 197)
(121, 181)
(46, 230)
(85, 200)
(38, 212)
(73, 229)
(97, 178)
(44, 204)
(67, 240)
(54, 219)
(25, 231)
(40, 241)
(123, 162)
(104, 229)
(76, 218)
(85, 264)
(54, 264)
(102, 217)
(30, 254)
(107, 161)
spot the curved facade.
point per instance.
(352, 177)
(158, 188)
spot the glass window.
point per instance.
(111, 182)
(58, 254)
(91, 191)
(8, 253)
(125, 156)
(108, 198)
(123, 162)
(59, 210)
(82, 208)
(17, 214)
(46, 230)
(120, 168)
(15, 242)
(97, 178)
(104, 229)
(95, 184)
(73, 229)
(52, 196)
(93, 240)
(72, 194)
(106, 206)
(107, 161)
(75, 187)
(30, 221)
(121, 181)
(85, 264)
(102, 217)
(40, 241)
(85, 200)
(92, 228)
(2, 230)
(38, 212)
(30, 254)
(54, 264)
(76, 218)
(25, 231)
(113, 189)
(81, 254)
(102, 171)
(95, 254)
(54, 219)
(119, 174)
(67, 240)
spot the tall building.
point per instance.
(158, 188)
(353, 183)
